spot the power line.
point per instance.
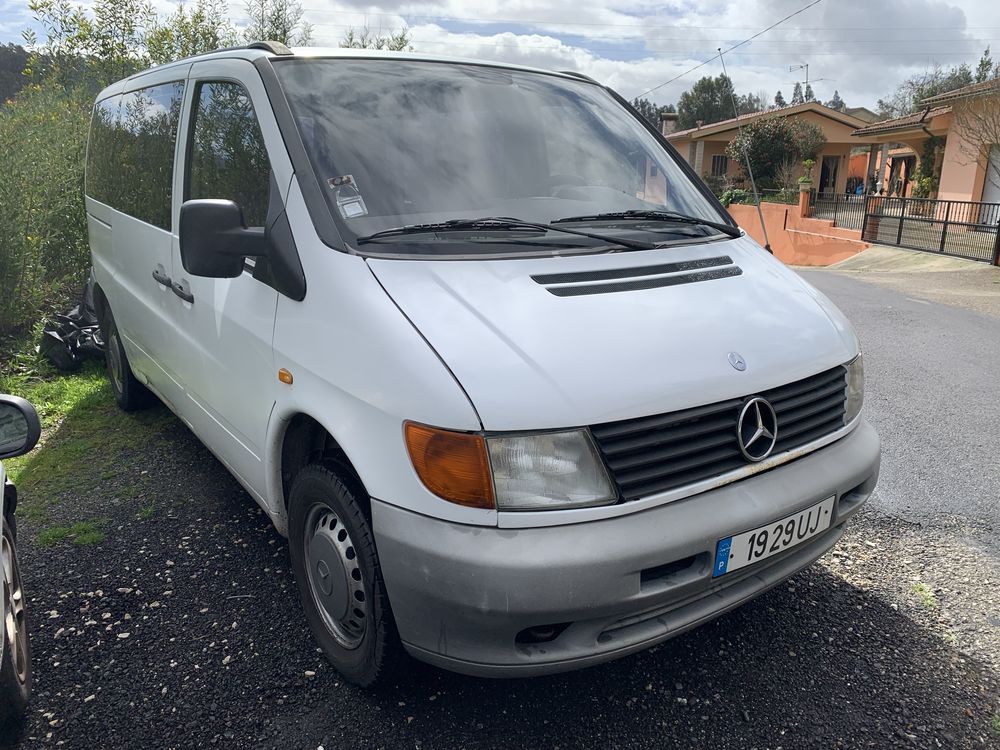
(640, 25)
(720, 52)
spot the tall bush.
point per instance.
(770, 143)
(43, 231)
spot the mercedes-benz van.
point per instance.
(519, 392)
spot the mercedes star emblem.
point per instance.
(757, 429)
(737, 361)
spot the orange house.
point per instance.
(704, 147)
(966, 168)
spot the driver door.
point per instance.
(225, 326)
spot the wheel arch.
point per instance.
(303, 441)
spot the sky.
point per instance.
(860, 48)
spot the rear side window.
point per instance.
(130, 161)
(102, 152)
(228, 159)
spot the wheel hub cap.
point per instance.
(15, 632)
(335, 578)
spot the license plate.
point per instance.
(735, 552)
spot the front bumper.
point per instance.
(462, 594)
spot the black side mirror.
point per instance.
(214, 240)
(19, 427)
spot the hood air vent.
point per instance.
(642, 277)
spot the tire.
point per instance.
(129, 393)
(15, 667)
(338, 574)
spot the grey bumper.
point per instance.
(461, 594)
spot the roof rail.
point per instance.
(579, 75)
(275, 48)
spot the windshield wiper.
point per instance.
(667, 216)
(498, 223)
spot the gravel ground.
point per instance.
(181, 628)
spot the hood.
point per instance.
(543, 343)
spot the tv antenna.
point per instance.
(805, 67)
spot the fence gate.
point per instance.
(843, 209)
(964, 228)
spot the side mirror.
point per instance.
(214, 240)
(19, 426)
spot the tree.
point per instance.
(779, 100)
(808, 94)
(910, 94)
(397, 41)
(277, 21)
(749, 103)
(709, 100)
(797, 97)
(650, 111)
(986, 70)
(203, 28)
(770, 144)
(836, 102)
(13, 59)
(108, 43)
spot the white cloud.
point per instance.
(859, 47)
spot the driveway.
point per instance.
(181, 627)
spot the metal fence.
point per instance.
(964, 228)
(843, 209)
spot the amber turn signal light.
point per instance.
(452, 465)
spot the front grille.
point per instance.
(654, 454)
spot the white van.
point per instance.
(517, 389)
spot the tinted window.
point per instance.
(228, 159)
(130, 161)
(102, 152)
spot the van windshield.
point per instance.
(399, 143)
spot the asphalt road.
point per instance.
(182, 629)
(933, 391)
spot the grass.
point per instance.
(925, 596)
(87, 443)
(995, 724)
(80, 533)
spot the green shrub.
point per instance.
(43, 232)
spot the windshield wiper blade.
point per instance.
(498, 223)
(667, 216)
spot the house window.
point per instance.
(720, 165)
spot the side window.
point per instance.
(102, 152)
(227, 155)
(130, 158)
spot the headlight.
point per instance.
(855, 389)
(551, 470)
(517, 472)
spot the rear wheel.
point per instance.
(338, 575)
(15, 667)
(129, 393)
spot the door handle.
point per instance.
(182, 291)
(161, 277)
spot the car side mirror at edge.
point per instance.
(214, 240)
(19, 426)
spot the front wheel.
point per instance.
(15, 667)
(338, 574)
